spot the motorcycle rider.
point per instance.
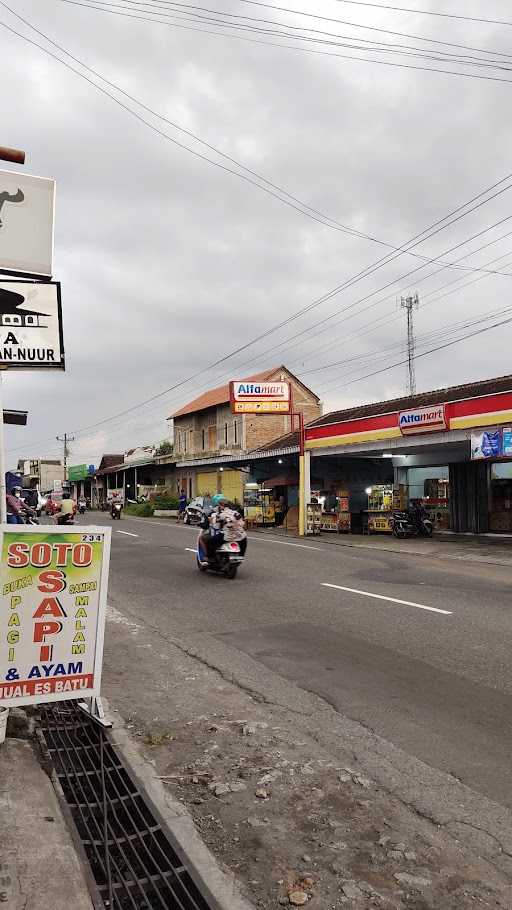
(212, 537)
(14, 505)
(82, 505)
(225, 524)
(115, 502)
(233, 526)
(67, 509)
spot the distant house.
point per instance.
(11, 315)
(205, 432)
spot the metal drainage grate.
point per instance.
(134, 863)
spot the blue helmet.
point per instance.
(218, 499)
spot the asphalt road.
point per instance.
(425, 664)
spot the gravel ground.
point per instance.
(296, 826)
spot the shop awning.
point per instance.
(283, 480)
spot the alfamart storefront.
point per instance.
(451, 449)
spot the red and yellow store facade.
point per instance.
(429, 438)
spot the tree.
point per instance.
(165, 448)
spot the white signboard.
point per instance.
(260, 397)
(31, 325)
(27, 206)
(53, 599)
(422, 420)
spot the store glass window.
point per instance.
(431, 487)
(501, 496)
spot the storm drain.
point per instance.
(134, 863)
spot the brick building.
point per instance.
(206, 431)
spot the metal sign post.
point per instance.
(3, 491)
(17, 156)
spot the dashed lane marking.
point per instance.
(395, 600)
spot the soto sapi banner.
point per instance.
(52, 615)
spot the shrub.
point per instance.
(165, 501)
(141, 510)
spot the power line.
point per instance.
(419, 238)
(392, 296)
(422, 12)
(316, 16)
(342, 227)
(326, 319)
(305, 50)
(334, 224)
(444, 330)
(196, 13)
(426, 353)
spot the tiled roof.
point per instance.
(438, 396)
(282, 442)
(110, 461)
(220, 395)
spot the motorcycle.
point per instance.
(29, 517)
(225, 560)
(411, 524)
(65, 519)
(116, 510)
(81, 508)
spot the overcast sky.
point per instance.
(168, 263)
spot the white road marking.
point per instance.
(285, 543)
(190, 550)
(395, 600)
(128, 533)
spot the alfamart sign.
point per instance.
(53, 594)
(422, 420)
(260, 397)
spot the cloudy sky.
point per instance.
(169, 263)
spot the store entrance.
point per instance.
(430, 487)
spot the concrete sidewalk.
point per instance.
(484, 548)
(39, 865)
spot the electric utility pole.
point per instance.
(409, 304)
(65, 439)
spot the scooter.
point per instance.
(411, 524)
(116, 510)
(64, 520)
(81, 508)
(225, 560)
(30, 517)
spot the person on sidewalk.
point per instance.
(182, 506)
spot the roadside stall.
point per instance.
(379, 512)
(313, 518)
(335, 514)
(259, 506)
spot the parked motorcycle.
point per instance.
(225, 560)
(412, 523)
(116, 510)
